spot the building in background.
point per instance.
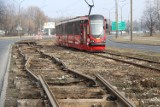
(49, 28)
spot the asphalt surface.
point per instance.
(4, 60)
(132, 46)
(4, 52)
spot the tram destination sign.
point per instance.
(121, 26)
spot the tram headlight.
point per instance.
(92, 41)
(104, 40)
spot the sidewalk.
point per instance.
(144, 40)
(13, 37)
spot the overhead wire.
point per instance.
(70, 5)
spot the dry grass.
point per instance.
(148, 40)
(132, 52)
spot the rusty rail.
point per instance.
(65, 68)
(147, 60)
(131, 63)
(49, 93)
(124, 102)
(40, 78)
(29, 71)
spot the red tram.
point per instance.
(84, 33)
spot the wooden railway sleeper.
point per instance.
(65, 68)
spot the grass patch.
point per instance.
(148, 40)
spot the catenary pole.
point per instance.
(116, 17)
(131, 20)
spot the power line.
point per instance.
(71, 5)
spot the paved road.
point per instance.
(4, 55)
(4, 52)
(133, 46)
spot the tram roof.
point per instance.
(79, 18)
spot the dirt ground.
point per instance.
(140, 85)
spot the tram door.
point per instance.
(84, 34)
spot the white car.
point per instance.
(2, 32)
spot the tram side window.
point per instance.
(57, 30)
(63, 29)
(69, 28)
(77, 28)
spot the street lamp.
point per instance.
(19, 28)
(116, 17)
(122, 14)
(19, 12)
(109, 12)
(131, 20)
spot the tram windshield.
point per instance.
(97, 27)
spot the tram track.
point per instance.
(132, 57)
(139, 62)
(36, 66)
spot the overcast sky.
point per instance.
(58, 8)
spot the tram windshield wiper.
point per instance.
(100, 33)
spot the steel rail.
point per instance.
(65, 68)
(126, 102)
(44, 84)
(29, 71)
(54, 103)
(147, 60)
(92, 80)
(27, 61)
(131, 63)
(51, 97)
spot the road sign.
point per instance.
(49, 25)
(19, 28)
(121, 25)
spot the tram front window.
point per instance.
(97, 28)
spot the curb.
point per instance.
(5, 79)
(6, 38)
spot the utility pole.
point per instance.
(116, 17)
(131, 20)
(158, 15)
(19, 28)
(121, 18)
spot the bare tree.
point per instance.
(9, 19)
(157, 6)
(2, 7)
(149, 17)
(35, 19)
(136, 26)
(31, 19)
